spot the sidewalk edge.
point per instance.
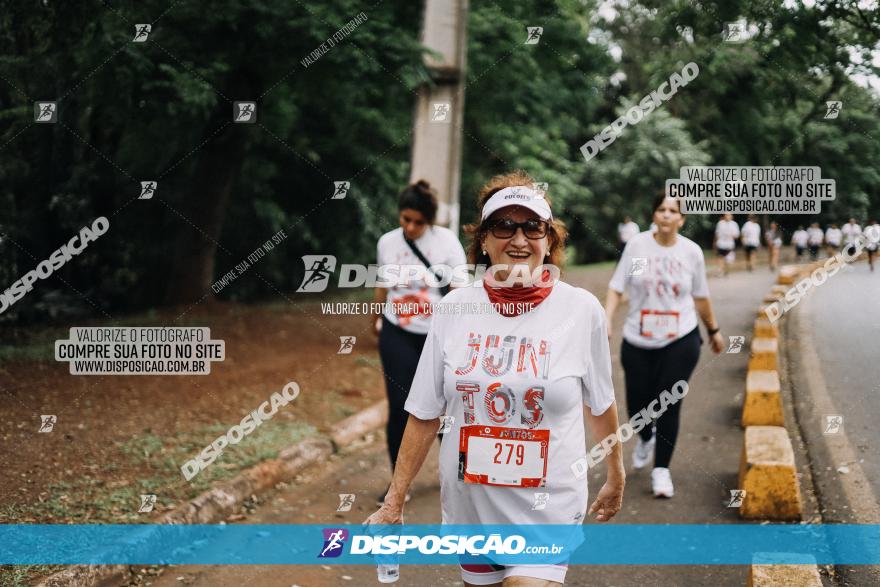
(217, 503)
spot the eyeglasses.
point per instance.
(506, 228)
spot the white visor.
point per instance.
(519, 195)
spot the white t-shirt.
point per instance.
(440, 246)
(833, 236)
(751, 234)
(725, 233)
(871, 244)
(815, 236)
(799, 238)
(627, 231)
(850, 232)
(773, 238)
(661, 286)
(548, 363)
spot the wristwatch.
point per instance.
(713, 331)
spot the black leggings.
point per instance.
(400, 351)
(650, 371)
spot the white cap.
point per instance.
(518, 195)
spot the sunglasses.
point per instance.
(506, 228)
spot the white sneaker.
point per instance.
(661, 482)
(643, 452)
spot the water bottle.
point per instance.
(388, 573)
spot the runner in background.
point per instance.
(815, 236)
(512, 381)
(751, 239)
(871, 245)
(799, 241)
(726, 233)
(773, 237)
(851, 231)
(661, 336)
(625, 231)
(402, 331)
(833, 235)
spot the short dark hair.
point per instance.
(420, 197)
(660, 198)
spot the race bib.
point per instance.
(495, 455)
(659, 324)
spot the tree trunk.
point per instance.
(192, 260)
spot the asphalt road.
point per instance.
(845, 317)
(832, 338)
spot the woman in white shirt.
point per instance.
(726, 233)
(832, 239)
(815, 236)
(661, 338)
(751, 239)
(773, 236)
(799, 240)
(403, 327)
(851, 231)
(871, 246)
(527, 369)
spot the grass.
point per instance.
(23, 575)
(112, 499)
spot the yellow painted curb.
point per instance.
(763, 402)
(765, 329)
(784, 576)
(768, 476)
(763, 355)
(787, 275)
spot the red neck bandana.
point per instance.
(513, 301)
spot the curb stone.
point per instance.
(217, 503)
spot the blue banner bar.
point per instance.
(594, 544)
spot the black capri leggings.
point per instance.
(400, 351)
(650, 371)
